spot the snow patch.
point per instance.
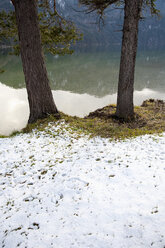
(62, 191)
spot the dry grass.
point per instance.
(149, 119)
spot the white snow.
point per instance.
(60, 190)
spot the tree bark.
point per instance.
(125, 107)
(40, 97)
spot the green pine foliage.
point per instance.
(152, 5)
(101, 5)
(57, 34)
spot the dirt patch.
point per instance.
(154, 105)
(150, 114)
(104, 113)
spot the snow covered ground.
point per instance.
(61, 191)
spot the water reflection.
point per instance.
(92, 73)
(81, 83)
(14, 110)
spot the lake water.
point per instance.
(81, 83)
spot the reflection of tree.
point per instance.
(67, 73)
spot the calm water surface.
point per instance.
(92, 73)
(81, 83)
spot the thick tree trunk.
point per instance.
(125, 107)
(40, 97)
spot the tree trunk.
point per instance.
(40, 97)
(125, 107)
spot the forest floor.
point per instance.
(63, 186)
